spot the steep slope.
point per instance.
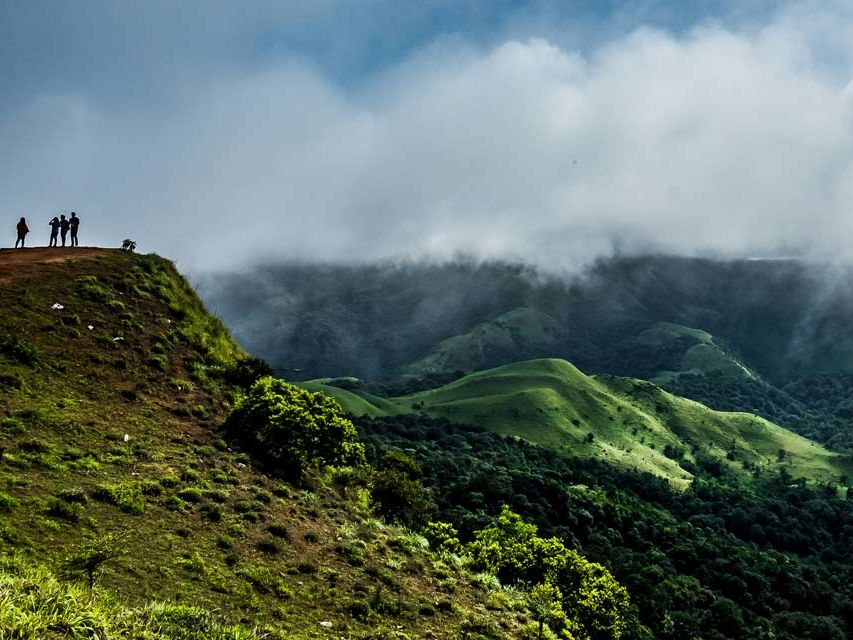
(629, 423)
(113, 382)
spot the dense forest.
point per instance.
(767, 558)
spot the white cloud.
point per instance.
(717, 141)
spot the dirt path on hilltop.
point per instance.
(20, 263)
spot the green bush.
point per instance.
(512, 550)
(397, 492)
(20, 350)
(174, 503)
(127, 497)
(279, 530)
(190, 494)
(68, 511)
(268, 545)
(291, 429)
(75, 494)
(12, 426)
(212, 511)
(6, 501)
(89, 288)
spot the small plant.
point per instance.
(12, 426)
(20, 350)
(68, 511)
(92, 555)
(212, 511)
(6, 502)
(174, 503)
(190, 494)
(75, 494)
(127, 497)
(170, 480)
(279, 530)
(150, 488)
(90, 288)
(268, 545)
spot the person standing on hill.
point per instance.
(63, 227)
(23, 230)
(73, 224)
(54, 231)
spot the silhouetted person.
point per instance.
(63, 228)
(23, 230)
(73, 224)
(54, 231)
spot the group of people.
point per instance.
(59, 228)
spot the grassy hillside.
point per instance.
(514, 335)
(629, 423)
(113, 383)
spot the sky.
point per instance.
(220, 134)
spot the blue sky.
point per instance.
(368, 129)
(139, 51)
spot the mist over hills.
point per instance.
(782, 318)
(770, 337)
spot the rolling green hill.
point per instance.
(514, 335)
(630, 423)
(114, 381)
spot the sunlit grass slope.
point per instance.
(630, 423)
(114, 381)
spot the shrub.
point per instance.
(89, 288)
(74, 494)
(398, 493)
(279, 530)
(289, 428)
(246, 371)
(359, 609)
(150, 488)
(127, 497)
(20, 350)
(68, 511)
(174, 503)
(218, 496)
(442, 536)
(10, 381)
(6, 501)
(190, 494)
(268, 545)
(212, 511)
(170, 480)
(93, 554)
(352, 551)
(12, 426)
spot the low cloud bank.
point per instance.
(719, 141)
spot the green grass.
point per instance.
(701, 355)
(630, 423)
(105, 436)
